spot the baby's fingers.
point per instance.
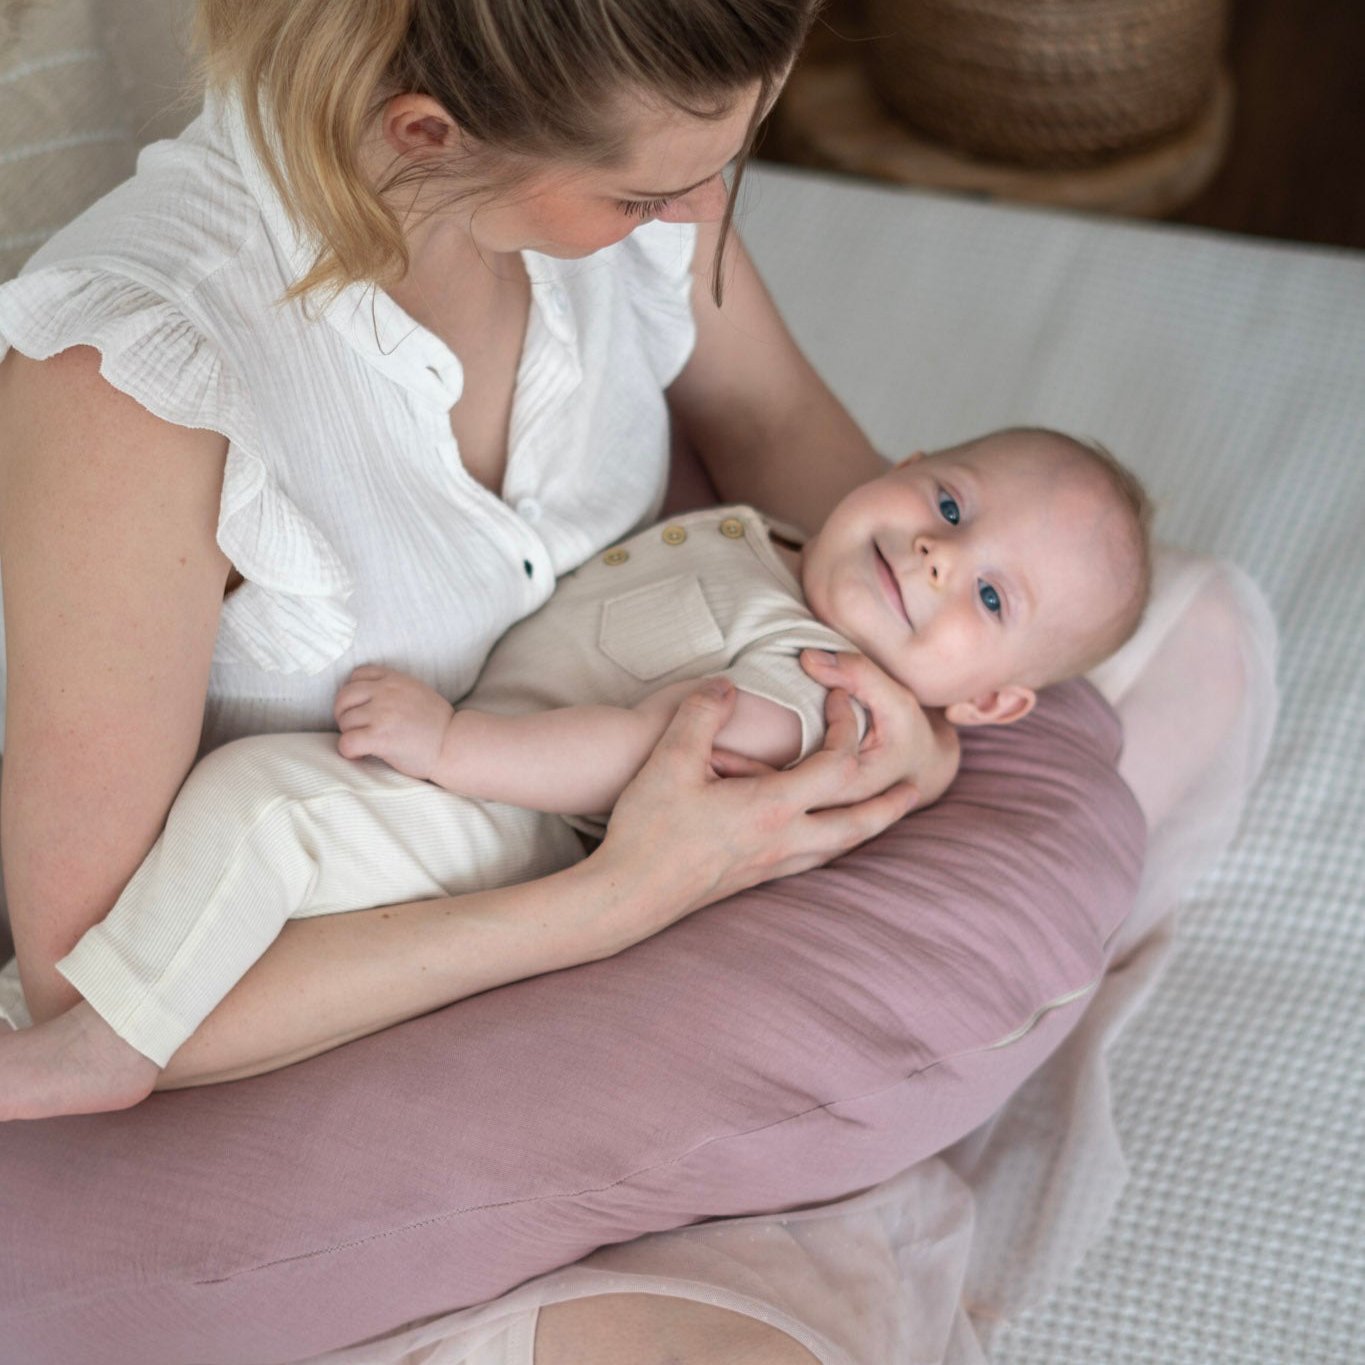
(356, 743)
(369, 673)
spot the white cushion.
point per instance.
(150, 43)
(64, 133)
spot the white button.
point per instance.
(528, 509)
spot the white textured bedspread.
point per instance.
(1231, 375)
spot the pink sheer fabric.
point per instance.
(922, 1268)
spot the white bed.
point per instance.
(1231, 375)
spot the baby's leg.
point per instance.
(264, 830)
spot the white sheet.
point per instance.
(1231, 375)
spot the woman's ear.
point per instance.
(1002, 707)
(416, 125)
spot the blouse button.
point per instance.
(529, 510)
(674, 535)
(616, 556)
(733, 528)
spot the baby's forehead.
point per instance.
(1023, 482)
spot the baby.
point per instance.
(974, 576)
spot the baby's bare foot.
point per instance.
(73, 1064)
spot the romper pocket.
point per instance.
(659, 628)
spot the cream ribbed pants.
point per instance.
(279, 827)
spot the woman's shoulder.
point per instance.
(141, 276)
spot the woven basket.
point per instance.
(1046, 82)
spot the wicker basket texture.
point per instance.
(1046, 82)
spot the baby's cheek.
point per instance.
(956, 663)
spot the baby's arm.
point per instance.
(573, 760)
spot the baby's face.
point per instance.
(969, 575)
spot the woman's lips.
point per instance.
(890, 587)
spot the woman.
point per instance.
(173, 552)
(213, 503)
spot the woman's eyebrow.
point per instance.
(678, 194)
(670, 194)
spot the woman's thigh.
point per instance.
(657, 1329)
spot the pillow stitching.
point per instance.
(1006, 1040)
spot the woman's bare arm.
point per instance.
(113, 583)
(767, 427)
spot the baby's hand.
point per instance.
(392, 716)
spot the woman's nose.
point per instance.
(705, 204)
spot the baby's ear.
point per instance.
(1002, 707)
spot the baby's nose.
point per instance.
(936, 559)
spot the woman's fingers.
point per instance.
(718, 836)
(727, 763)
(841, 722)
(691, 735)
(857, 675)
(846, 827)
(900, 736)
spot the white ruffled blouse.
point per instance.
(345, 506)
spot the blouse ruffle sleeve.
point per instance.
(657, 270)
(290, 615)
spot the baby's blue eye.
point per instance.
(990, 599)
(948, 508)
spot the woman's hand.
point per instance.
(686, 836)
(904, 742)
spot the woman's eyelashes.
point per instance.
(642, 208)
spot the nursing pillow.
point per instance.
(792, 1044)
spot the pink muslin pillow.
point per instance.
(801, 1041)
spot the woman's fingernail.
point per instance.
(716, 687)
(825, 657)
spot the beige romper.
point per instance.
(275, 827)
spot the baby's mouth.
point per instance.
(889, 585)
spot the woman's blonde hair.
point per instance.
(524, 80)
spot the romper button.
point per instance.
(529, 510)
(674, 535)
(733, 528)
(616, 556)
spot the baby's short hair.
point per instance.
(1128, 543)
(1132, 552)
